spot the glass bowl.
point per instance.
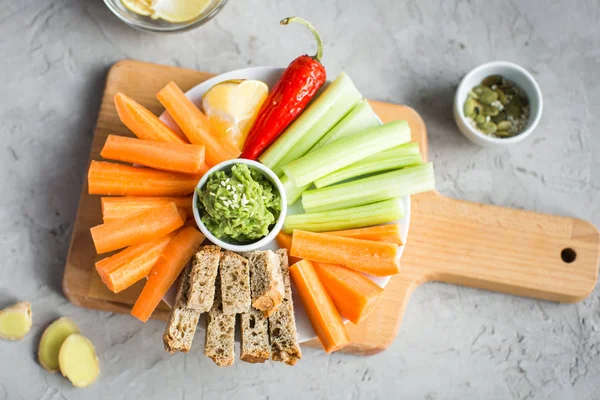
(158, 25)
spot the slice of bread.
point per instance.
(205, 266)
(181, 326)
(255, 337)
(235, 283)
(220, 334)
(266, 281)
(282, 324)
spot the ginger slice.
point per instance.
(78, 361)
(52, 340)
(15, 321)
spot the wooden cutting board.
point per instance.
(489, 247)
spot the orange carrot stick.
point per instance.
(174, 157)
(196, 125)
(121, 207)
(353, 294)
(140, 228)
(124, 180)
(379, 233)
(142, 122)
(375, 258)
(166, 270)
(323, 315)
(285, 241)
(125, 268)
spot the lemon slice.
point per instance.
(141, 7)
(178, 10)
(232, 107)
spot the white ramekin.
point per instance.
(512, 72)
(226, 165)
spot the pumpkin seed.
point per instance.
(500, 117)
(503, 134)
(492, 80)
(488, 96)
(490, 110)
(513, 110)
(469, 108)
(520, 101)
(504, 125)
(501, 96)
(478, 90)
(489, 128)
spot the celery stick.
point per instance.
(349, 218)
(375, 188)
(344, 152)
(398, 157)
(360, 118)
(318, 118)
(292, 192)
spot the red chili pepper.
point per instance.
(296, 87)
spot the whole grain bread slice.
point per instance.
(182, 323)
(282, 324)
(255, 337)
(235, 283)
(266, 281)
(220, 334)
(205, 266)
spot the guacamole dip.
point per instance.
(239, 206)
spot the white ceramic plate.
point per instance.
(269, 75)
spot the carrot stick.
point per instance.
(375, 258)
(379, 233)
(174, 157)
(142, 122)
(285, 241)
(324, 317)
(123, 180)
(353, 294)
(196, 125)
(140, 228)
(166, 270)
(120, 207)
(125, 268)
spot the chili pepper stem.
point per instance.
(319, 54)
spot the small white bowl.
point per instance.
(512, 72)
(226, 165)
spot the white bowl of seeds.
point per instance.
(497, 104)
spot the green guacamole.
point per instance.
(239, 206)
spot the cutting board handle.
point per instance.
(502, 249)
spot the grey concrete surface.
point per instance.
(454, 343)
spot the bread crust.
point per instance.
(205, 266)
(282, 324)
(266, 281)
(181, 326)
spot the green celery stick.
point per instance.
(318, 118)
(348, 218)
(398, 157)
(292, 192)
(360, 118)
(344, 152)
(375, 188)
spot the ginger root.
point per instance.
(52, 339)
(78, 361)
(15, 321)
